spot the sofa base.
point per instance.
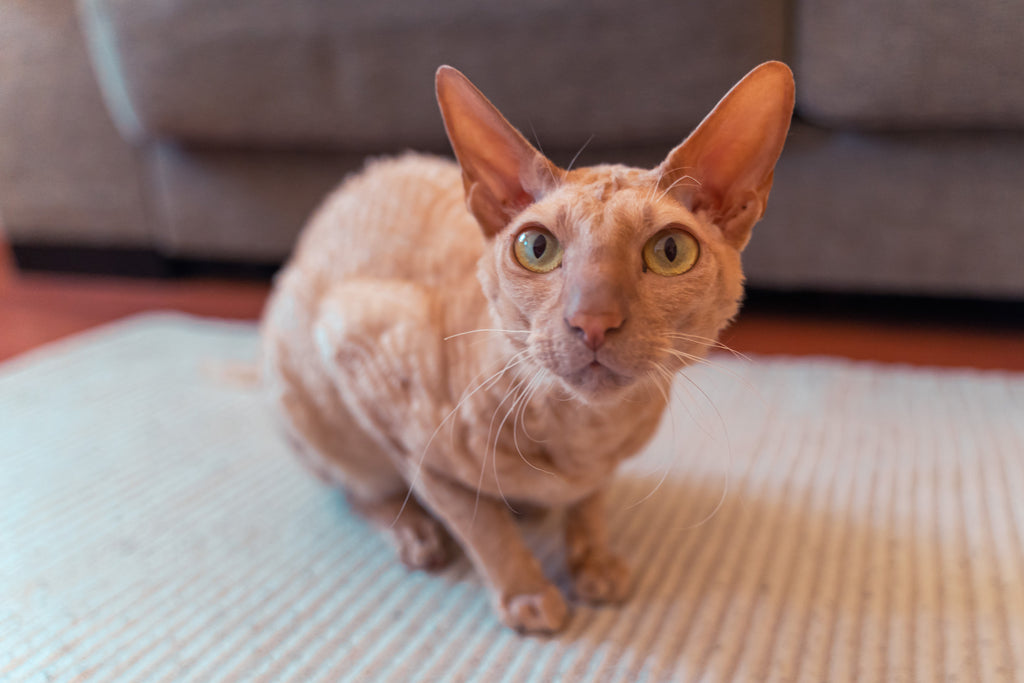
(139, 263)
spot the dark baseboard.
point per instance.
(90, 260)
(144, 263)
(990, 313)
(235, 270)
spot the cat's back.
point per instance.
(402, 217)
(401, 220)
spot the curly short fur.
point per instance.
(410, 351)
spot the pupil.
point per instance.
(540, 245)
(670, 249)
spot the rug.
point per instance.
(793, 520)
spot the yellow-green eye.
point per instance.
(671, 252)
(538, 250)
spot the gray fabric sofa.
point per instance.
(210, 129)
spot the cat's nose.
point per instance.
(593, 327)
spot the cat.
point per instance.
(452, 341)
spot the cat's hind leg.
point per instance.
(372, 487)
(379, 343)
(323, 386)
(420, 540)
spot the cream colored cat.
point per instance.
(512, 353)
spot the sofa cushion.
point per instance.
(66, 176)
(922, 213)
(359, 75)
(911, 64)
(238, 205)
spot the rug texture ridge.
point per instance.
(793, 520)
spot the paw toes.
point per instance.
(601, 579)
(423, 546)
(541, 612)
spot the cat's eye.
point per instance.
(537, 249)
(672, 251)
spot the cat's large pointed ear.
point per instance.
(725, 166)
(502, 173)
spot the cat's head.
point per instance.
(616, 276)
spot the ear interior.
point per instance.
(725, 167)
(502, 173)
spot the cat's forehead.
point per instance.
(619, 196)
(602, 182)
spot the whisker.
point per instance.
(677, 181)
(667, 376)
(721, 499)
(664, 476)
(709, 342)
(661, 178)
(528, 395)
(696, 418)
(691, 358)
(657, 183)
(589, 140)
(728, 446)
(462, 334)
(670, 381)
(538, 382)
(512, 362)
(540, 149)
(728, 455)
(536, 138)
(654, 187)
(494, 450)
(520, 408)
(515, 361)
(520, 392)
(707, 398)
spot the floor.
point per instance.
(39, 307)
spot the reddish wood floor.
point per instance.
(36, 308)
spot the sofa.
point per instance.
(208, 130)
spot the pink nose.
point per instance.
(593, 327)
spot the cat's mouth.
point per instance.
(596, 378)
(592, 375)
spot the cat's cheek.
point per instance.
(488, 279)
(534, 299)
(505, 314)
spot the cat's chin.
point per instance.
(596, 382)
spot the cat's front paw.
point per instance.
(544, 611)
(600, 577)
(422, 544)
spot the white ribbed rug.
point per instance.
(154, 526)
